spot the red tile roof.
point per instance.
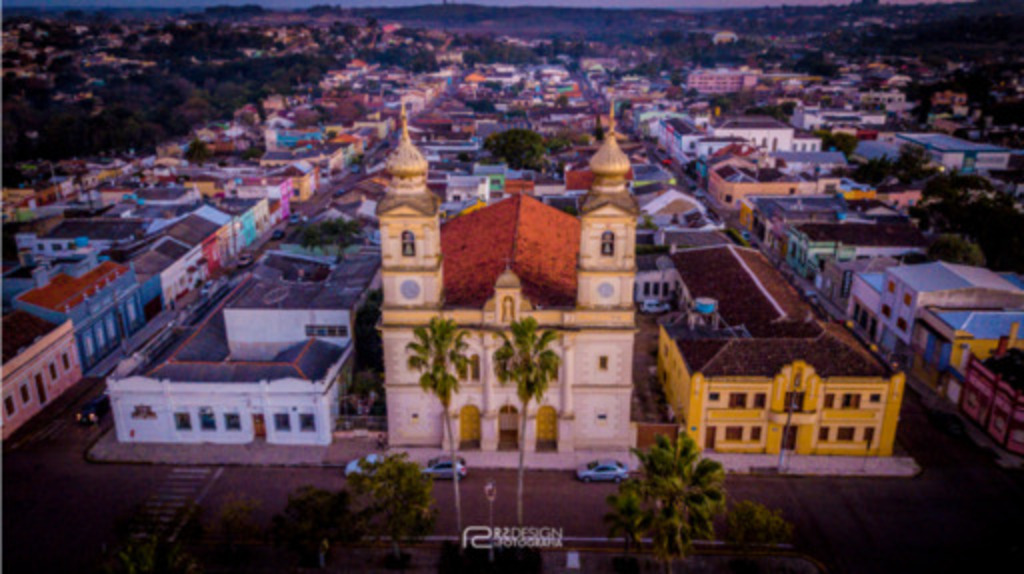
(541, 242)
(67, 291)
(21, 330)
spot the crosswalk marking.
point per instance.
(181, 487)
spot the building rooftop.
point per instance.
(287, 282)
(192, 230)
(947, 143)
(201, 355)
(987, 325)
(942, 276)
(541, 243)
(66, 291)
(99, 228)
(865, 234)
(767, 324)
(21, 330)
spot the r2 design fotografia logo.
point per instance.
(485, 537)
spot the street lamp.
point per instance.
(491, 492)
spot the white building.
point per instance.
(467, 187)
(266, 364)
(885, 306)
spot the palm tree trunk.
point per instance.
(522, 468)
(455, 472)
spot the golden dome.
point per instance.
(406, 161)
(610, 163)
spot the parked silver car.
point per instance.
(359, 465)
(442, 468)
(607, 470)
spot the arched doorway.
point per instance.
(469, 428)
(547, 428)
(508, 428)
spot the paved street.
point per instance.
(962, 511)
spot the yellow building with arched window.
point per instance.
(514, 259)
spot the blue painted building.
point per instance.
(104, 304)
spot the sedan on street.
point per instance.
(359, 465)
(442, 468)
(603, 470)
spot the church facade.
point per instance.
(514, 259)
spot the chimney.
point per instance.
(1012, 337)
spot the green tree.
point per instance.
(749, 523)
(845, 143)
(369, 351)
(953, 248)
(313, 516)
(236, 524)
(198, 152)
(628, 517)
(253, 153)
(874, 171)
(312, 238)
(400, 500)
(520, 148)
(562, 101)
(913, 163)
(438, 353)
(684, 490)
(526, 361)
(153, 555)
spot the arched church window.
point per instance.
(408, 244)
(607, 243)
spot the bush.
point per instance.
(750, 523)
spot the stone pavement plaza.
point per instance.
(108, 450)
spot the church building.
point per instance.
(514, 259)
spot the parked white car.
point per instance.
(358, 466)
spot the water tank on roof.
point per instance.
(141, 202)
(705, 305)
(81, 242)
(103, 258)
(840, 216)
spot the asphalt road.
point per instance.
(962, 513)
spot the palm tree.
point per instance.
(628, 517)
(526, 361)
(438, 352)
(686, 492)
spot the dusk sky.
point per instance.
(381, 3)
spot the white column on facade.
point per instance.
(568, 373)
(487, 373)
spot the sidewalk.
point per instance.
(108, 450)
(933, 402)
(806, 465)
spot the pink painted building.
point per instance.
(721, 81)
(40, 362)
(993, 397)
